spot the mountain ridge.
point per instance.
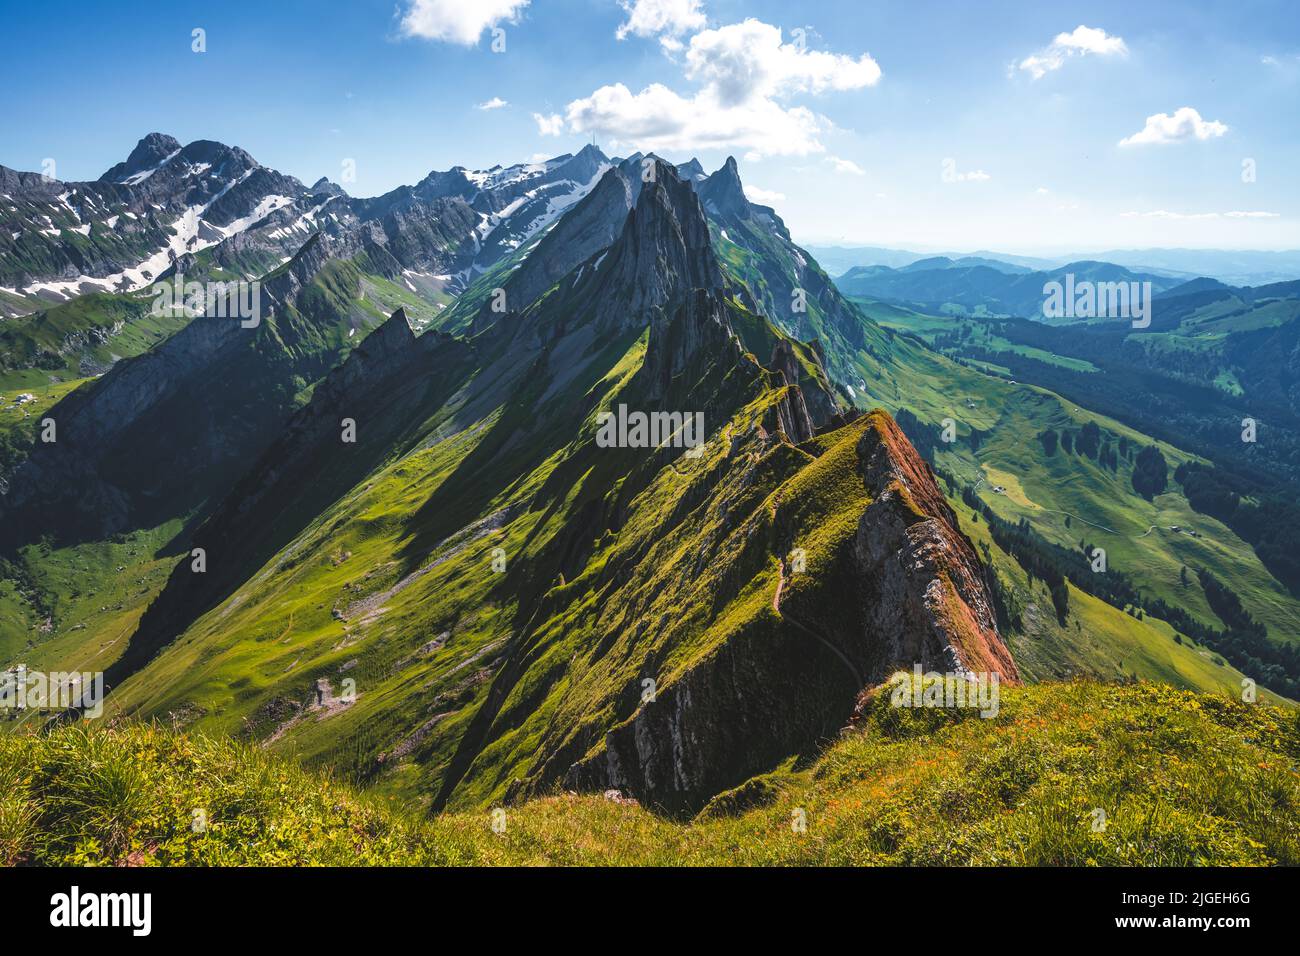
(661, 285)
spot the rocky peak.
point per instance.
(663, 251)
(591, 226)
(394, 333)
(723, 194)
(324, 186)
(692, 170)
(631, 166)
(217, 155)
(586, 162)
(385, 347)
(148, 153)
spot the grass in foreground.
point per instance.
(1181, 778)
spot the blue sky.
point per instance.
(950, 125)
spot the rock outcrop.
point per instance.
(663, 252)
(923, 597)
(918, 598)
(592, 225)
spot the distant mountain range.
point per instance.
(1234, 267)
(977, 286)
(169, 208)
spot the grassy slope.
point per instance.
(34, 349)
(1182, 779)
(1097, 640)
(94, 606)
(424, 664)
(245, 663)
(1010, 417)
(264, 649)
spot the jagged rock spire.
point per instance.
(664, 249)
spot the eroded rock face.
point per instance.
(920, 598)
(591, 227)
(923, 582)
(699, 327)
(663, 250)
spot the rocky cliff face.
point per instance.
(663, 250)
(696, 331)
(589, 228)
(923, 589)
(915, 595)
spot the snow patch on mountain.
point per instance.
(136, 179)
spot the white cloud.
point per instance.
(748, 61)
(457, 21)
(742, 70)
(1090, 40)
(764, 196)
(1185, 124)
(1082, 41)
(948, 173)
(1166, 214)
(493, 104)
(552, 125)
(647, 18)
(1042, 190)
(657, 119)
(846, 166)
